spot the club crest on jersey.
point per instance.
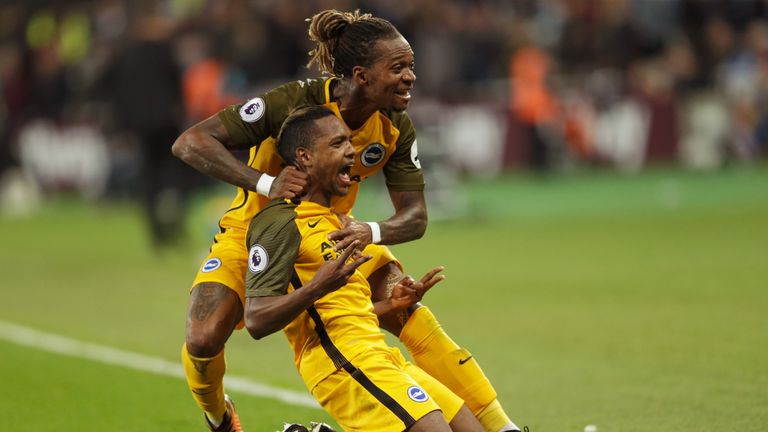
(257, 259)
(373, 154)
(252, 110)
(417, 394)
(211, 265)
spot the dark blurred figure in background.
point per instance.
(143, 87)
(545, 85)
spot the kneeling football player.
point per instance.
(297, 282)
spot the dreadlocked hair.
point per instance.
(345, 39)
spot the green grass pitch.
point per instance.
(633, 303)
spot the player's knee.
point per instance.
(465, 421)
(206, 342)
(432, 422)
(214, 311)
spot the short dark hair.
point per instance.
(297, 130)
(344, 40)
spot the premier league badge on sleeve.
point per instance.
(252, 110)
(257, 259)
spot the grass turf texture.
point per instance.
(634, 303)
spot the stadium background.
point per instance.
(596, 184)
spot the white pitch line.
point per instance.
(104, 354)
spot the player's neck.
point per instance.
(317, 196)
(355, 109)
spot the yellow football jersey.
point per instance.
(287, 245)
(387, 142)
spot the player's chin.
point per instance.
(399, 106)
(341, 190)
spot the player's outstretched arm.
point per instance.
(266, 315)
(408, 223)
(206, 147)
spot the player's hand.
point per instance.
(408, 292)
(429, 280)
(334, 274)
(289, 184)
(351, 230)
(403, 295)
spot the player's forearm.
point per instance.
(209, 156)
(383, 307)
(267, 315)
(409, 221)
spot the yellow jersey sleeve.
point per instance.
(403, 170)
(273, 242)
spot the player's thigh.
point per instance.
(225, 266)
(374, 394)
(448, 401)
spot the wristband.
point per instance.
(375, 232)
(264, 184)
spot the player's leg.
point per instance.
(434, 351)
(455, 411)
(215, 310)
(465, 421)
(433, 421)
(373, 392)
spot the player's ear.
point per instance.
(360, 75)
(303, 157)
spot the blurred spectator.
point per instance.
(533, 104)
(143, 86)
(617, 82)
(209, 82)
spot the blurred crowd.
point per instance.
(95, 91)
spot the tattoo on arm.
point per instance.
(392, 279)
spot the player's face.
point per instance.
(332, 156)
(391, 76)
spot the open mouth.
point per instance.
(344, 174)
(404, 94)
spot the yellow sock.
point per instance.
(494, 419)
(435, 352)
(205, 377)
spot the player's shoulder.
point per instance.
(402, 122)
(310, 91)
(399, 119)
(272, 219)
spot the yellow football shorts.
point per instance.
(228, 261)
(382, 392)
